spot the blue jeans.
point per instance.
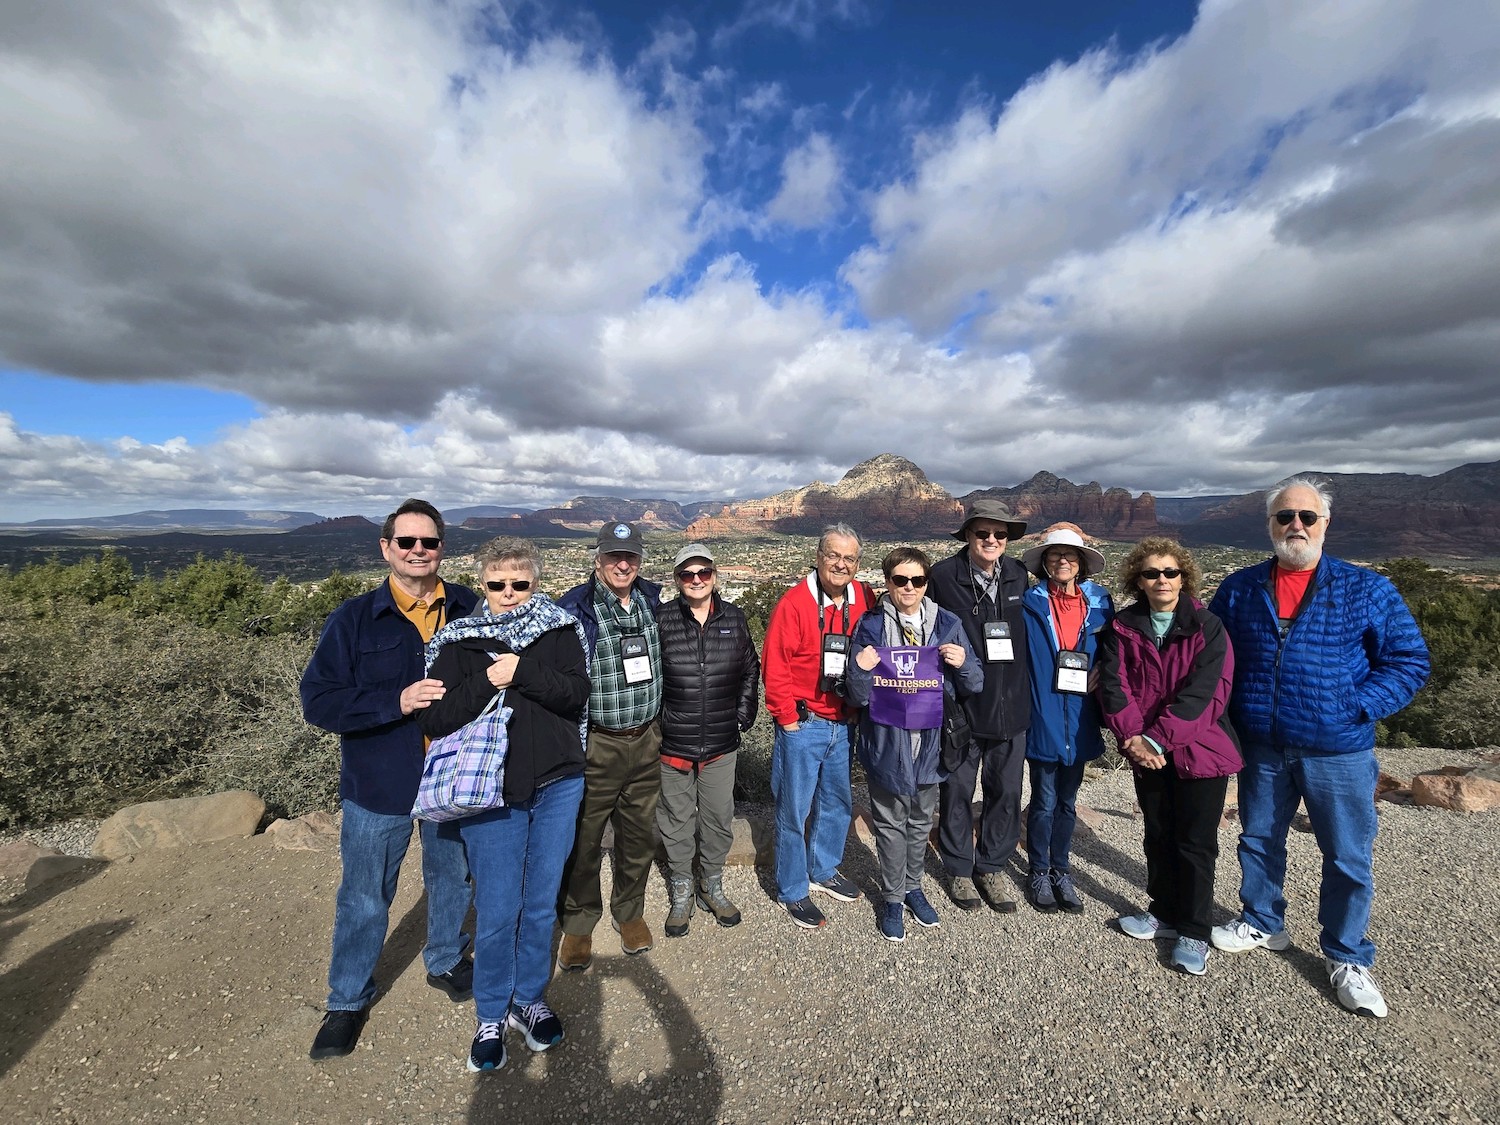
(517, 856)
(1339, 792)
(1054, 812)
(371, 847)
(810, 778)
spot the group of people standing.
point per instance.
(627, 712)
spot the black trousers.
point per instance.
(1182, 845)
(1000, 765)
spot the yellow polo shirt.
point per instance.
(428, 615)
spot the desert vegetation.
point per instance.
(119, 687)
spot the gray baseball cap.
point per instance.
(692, 551)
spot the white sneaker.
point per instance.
(1356, 988)
(1240, 936)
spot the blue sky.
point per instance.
(512, 253)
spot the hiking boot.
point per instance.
(712, 898)
(680, 896)
(963, 893)
(537, 1023)
(1066, 893)
(1240, 936)
(1039, 890)
(338, 1035)
(576, 954)
(892, 927)
(1356, 988)
(1144, 926)
(635, 936)
(921, 909)
(805, 914)
(1191, 956)
(837, 886)
(457, 982)
(487, 1052)
(997, 889)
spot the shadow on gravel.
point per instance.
(401, 948)
(35, 993)
(576, 1084)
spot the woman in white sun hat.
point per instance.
(1064, 612)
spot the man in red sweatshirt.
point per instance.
(806, 656)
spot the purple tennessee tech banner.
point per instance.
(907, 689)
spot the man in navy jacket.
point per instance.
(1322, 650)
(364, 683)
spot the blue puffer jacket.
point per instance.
(885, 752)
(1353, 655)
(1064, 727)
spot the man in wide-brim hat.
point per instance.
(983, 588)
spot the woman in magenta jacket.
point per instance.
(1165, 670)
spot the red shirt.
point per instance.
(1068, 614)
(1291, 588)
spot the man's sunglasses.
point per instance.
(519, 585)
(1153, 573)
(407, 542)
(701, 575)
(995, 535)
(900, 580)
(1286, 515)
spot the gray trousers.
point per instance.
(696, 813)
(902, 825)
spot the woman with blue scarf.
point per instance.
(521, 642)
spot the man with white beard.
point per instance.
(1322, 650)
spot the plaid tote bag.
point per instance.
(465, 771)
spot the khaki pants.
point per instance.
(621, 782)
(696, 814)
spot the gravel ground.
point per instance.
(162, 989)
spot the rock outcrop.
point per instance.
(1458, 788)
(1045, 499)
(181, 822)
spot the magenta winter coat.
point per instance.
(1176, 695)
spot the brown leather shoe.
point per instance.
(576, 954)
(635, 935)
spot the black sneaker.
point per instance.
(838, 886)
(457, 982)
(487, 1052)
(537, 1023)
(805, 914)
(338, 1035)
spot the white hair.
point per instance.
(1315, 484)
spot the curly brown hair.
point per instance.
(1135, 562)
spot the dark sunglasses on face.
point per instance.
(407, 542)
(1153, 574)
(900, 580)
(519, 585)
(701, 575)
(995, 535)
(1286, 515)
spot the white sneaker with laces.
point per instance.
(1240, 936)
(1356, 988)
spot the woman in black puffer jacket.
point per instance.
(709, 676)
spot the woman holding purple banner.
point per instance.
(908, 654)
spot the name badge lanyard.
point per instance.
(635, 651)
(1071, 675)
(835, 653)
(998, 648)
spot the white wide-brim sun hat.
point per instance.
(1093, 561)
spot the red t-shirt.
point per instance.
(1068, 614)
(1291, 588)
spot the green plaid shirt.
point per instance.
(613, 703)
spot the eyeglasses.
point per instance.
(519, 585)
(995, 535)
(900, 581)
(703, 574)
(1058, 560)
(1152, 574)
(407, 542)
(1286, 515)
(847, 560)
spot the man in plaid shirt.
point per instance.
(622, 778)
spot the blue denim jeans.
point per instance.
(517, 856)
(1054, 812)
(371, 847)
(810, 778)
(1339, 792)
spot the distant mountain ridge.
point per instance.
(1375, 515)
